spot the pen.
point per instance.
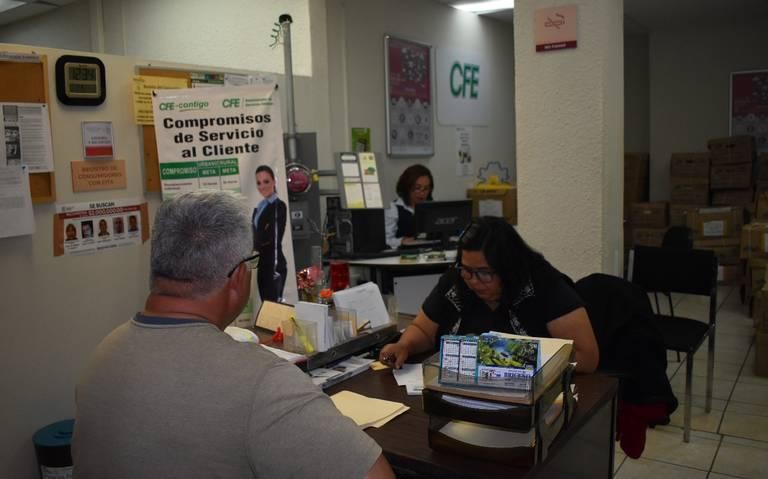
(364, 326)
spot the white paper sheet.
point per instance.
(16, 215)
(372, 193)
(350, 169)
(366, 301)
(353, 191)
(27, 134)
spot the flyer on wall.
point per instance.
(749, 106)
(216, 138)
(80, 228)
(27, 134)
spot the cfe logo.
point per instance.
(231, 103)
(464, 80)
(166, 106)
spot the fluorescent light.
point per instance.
(9, 5)
(486, 7)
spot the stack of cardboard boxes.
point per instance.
(636, 177)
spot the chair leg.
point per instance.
(688, 396)
(710, 370)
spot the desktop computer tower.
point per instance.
(357, 231)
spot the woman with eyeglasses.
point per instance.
(499, 284)
(269, 218)
(414, 186)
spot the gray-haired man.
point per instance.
(168, 394)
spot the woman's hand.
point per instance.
(394, 355)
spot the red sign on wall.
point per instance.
(555, 28)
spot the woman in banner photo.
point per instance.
(269, 218)
(499, 284)
(414, 186)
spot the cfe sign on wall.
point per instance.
(463, 88)
(555, 28)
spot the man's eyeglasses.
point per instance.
(251, 263)
(483, 275)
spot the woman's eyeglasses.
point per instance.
(251, 263)
(483, 275)
(421, 189)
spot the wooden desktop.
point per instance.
(583, 450)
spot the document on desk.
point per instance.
(412, 377)
(366, 301)
(365, 411)
(318, 314)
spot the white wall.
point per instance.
(690, 71)
(356, 31)
(66, 27)
(570, 139)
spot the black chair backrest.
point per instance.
(674, 270)
(678, 237)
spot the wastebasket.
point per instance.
(52, 448)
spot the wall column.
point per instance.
(570, 139)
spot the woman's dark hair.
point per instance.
(408, 179)
(263, 168)
(504, 249)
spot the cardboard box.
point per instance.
(648, 236)
(726, 254)
(761, 206)
(762, 169)
(753, 241)
(689, 165)
(635, 179)
(679, 214)
(723, 221)
(756, 268)
(730, 176)
(689, 191)
(729, 273)
(498, 201)
(743, 197)
(731, 149)
(648, 215)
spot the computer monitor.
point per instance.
(368, 234)
(444, 218)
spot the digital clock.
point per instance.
(80, 80)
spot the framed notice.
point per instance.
(409, 107)
(749, 106)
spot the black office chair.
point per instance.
(687, 272)
(676, 237)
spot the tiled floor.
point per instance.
(732, 440)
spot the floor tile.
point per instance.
(727, 371)
(700, 420)
(730, 356)
(742, 458)
(618, 458)
(751, 393)
(721, 388)
(748, 426)
(643, 469)
(665, 444)
(746, 408)
(714, 475)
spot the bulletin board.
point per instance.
(27, 82)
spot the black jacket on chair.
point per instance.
(630, 345)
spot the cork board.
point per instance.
(25, 82)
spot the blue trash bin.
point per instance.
(52, 448)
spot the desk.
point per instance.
(383, 270)
(583, 450)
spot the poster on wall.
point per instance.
(463, 87)
(83, 228)
(217, 138)
(409, 107)
(26, 130)
(749, 106)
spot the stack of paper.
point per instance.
(318, 314)
(366, 301)
(412, 377)
(287, 355)
(365, 411)
(327, 377)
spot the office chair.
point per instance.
(687, 272)
(677, 237)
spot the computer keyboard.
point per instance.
(378, 254)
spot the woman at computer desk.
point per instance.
(499, 284)
(414, 186)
